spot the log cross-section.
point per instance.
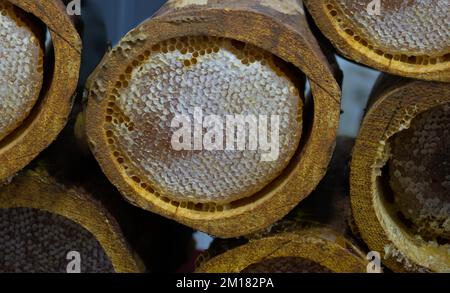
(406, 38)
(254, 56)
(41, 119)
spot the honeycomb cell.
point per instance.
(220, 77)
(412, 27)
(419, 171)
(21, 67)
(35, 241)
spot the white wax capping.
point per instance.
(418, 26)
(19, 79)
(220, 84)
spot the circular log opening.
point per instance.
(306, 249)
(419, 172)
(187, 80)
(406, 26)
(414, 32)
(400, 176)
(404, 38)
(315, 117)
(33, 240)
(21, 66)
(45, 114)
(286, 265)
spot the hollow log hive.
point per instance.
(225, 57)
(314, 238)
(406, 38)
(37, 83)
(42, 221)
(400, 182)
(159, 244)
(300, 250)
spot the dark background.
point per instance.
(122, 15)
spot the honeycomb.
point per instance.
(414, 32)
(221, 77)
(390, 251)
(419, 171)
(37, 241)
(286, 265)
(21, 68)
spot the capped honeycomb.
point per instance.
(286, 265)
(416, 25)
(220, 77)
(419, 171)
(413, 31)
(21, 67)
(35, 241)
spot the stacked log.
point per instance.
(48, 227)
(38, 83)
(225, 57)
(406, 38)
(315, 238)
(400, 174)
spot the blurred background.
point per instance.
(109, 20)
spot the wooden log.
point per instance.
(406, 38)
(22, 66)
(400, 174)
(42, 221)
(244, 48)
(313, 238)
(65, 189)
(159, 244)
(36, 105)
(302, 250)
